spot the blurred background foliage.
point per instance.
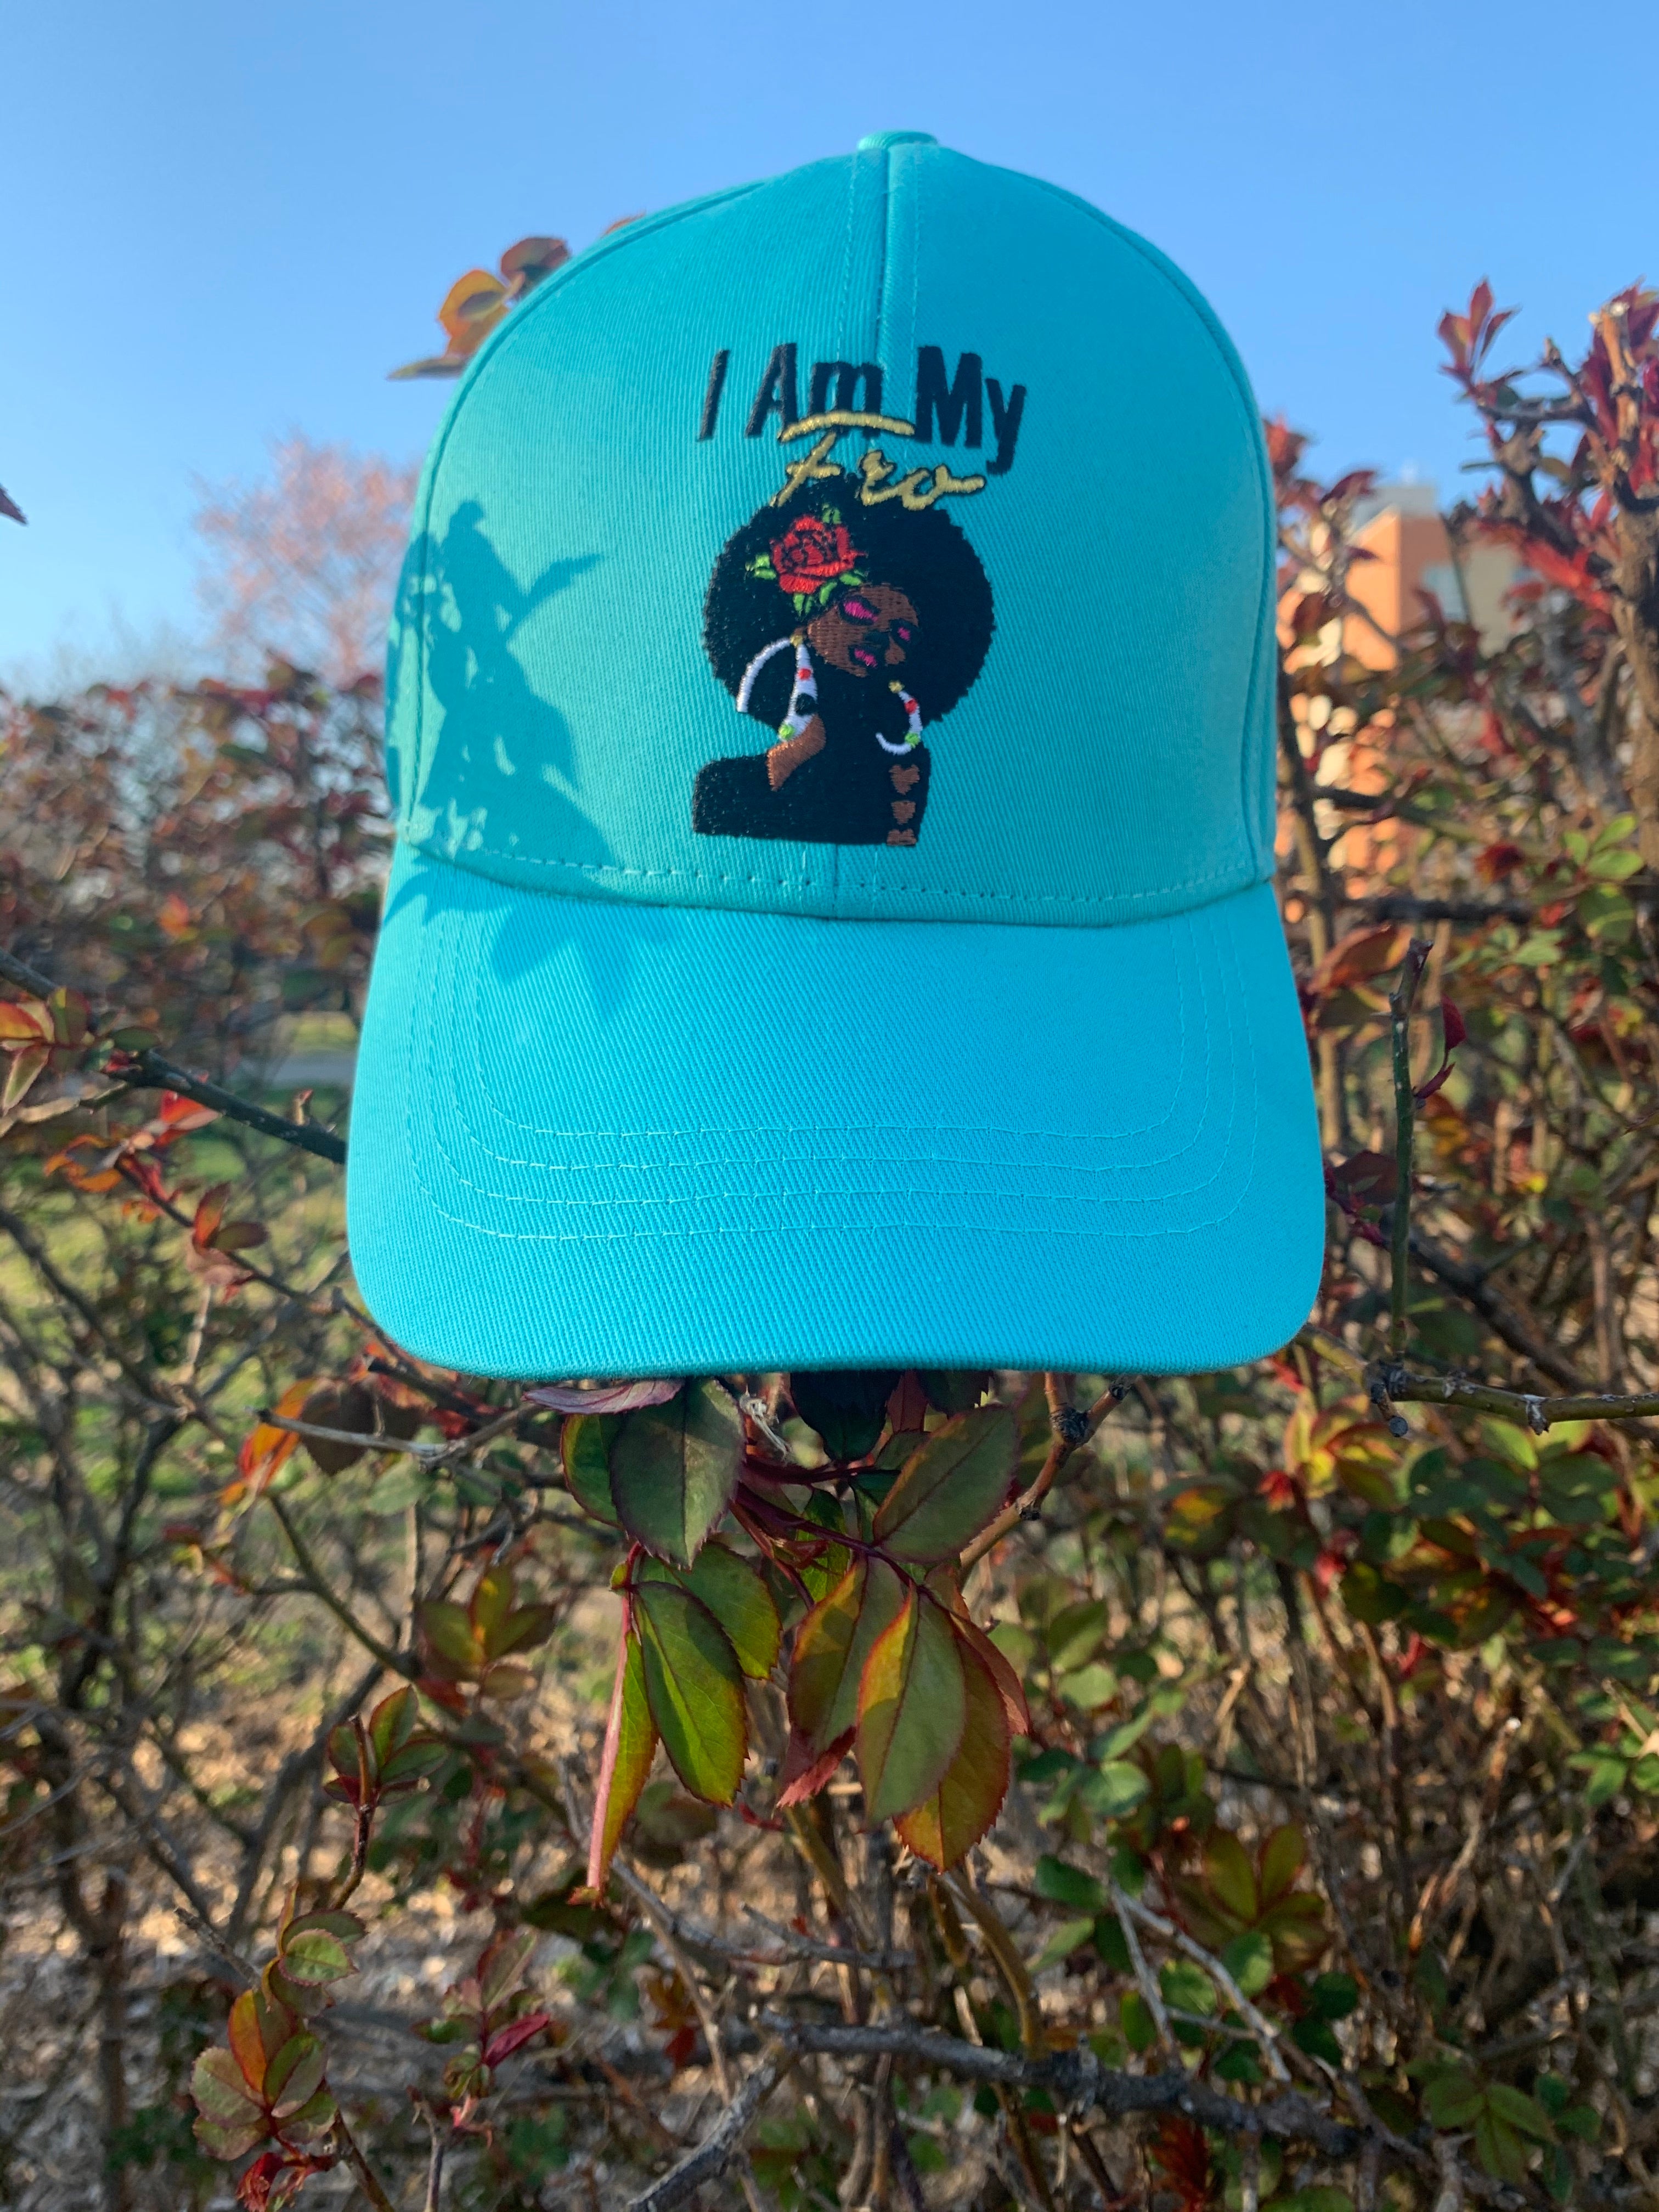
(456, 1794)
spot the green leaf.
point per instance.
(397, 1489)
(847, 1406)
(1520, 2111)
(1076, 1634)
(673, 1468)
(1313, 2036)
(954, 1389)
(295, 2075)
(346, 1925)
(230, 2141)
(1088, 1689)
(447, 1627)
(1452, 2099)
(1607, 914)
(524, 1629)
(694, 1689)
(735, 1592)
(1187, 1986)
(313, 2120)
(1282, 1857)
(405, 1767)
(1069, 1885)
(1500, 2149)
(1070, 1936)
(585, 1444)
(948, 1489)
(630, 1744)
(1249, 1959)
(1110, 1944)
(951, 1819)
(1114, 1787)
(220, 2091)
(1135, 2018)
(1334, 1995)
(1296, 1927)
(502, 1968)
(1606, 1775)
(315, 1956)
(393, 1723)
(820, 1575)
(913, 1705)
(491, 1604)
(833, 1644)
(1230, 1876)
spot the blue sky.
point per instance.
(221, 222)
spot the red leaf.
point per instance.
(1182, 2157)
(609, 1398)
(803, 1775)
(507, 2040)
(1498, 860)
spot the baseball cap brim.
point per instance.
(592, 1137)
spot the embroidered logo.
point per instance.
(845, 617)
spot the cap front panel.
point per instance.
(888, 540)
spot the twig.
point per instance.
(367, 2180)
(1070, 1435)
(1078, 2083)
(1535, 1412)
(152, 1071)
(1405, 1111)
(1145, 1980)
(723, 2141)
(1249, 2175)
(430, 1455)
(1449, 2195)
(1002, 1946)
(394, 1663)
(30, 1246)
(244, 1968)
(663, 1921)
(1262, 2028)
(1401, 906)
(1470, 1283)
(796, 1946)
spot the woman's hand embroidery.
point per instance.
(783, 759)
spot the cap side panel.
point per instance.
(406, 709)
(1259, 781)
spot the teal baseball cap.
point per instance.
(830, 724)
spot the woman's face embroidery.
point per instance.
(844, 628)
(864, 630)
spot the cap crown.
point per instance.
(598, 546)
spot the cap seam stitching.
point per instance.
(1047, 1228)
(602, 868)
(1183, 286)
(1142, 1129)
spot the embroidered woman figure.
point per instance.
(886, 619)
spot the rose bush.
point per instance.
(900, 1788)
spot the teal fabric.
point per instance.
(551, 703)
(1032, 1091)
(599, 1137)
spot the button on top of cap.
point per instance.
(877, 142)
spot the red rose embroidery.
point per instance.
(811, 554)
